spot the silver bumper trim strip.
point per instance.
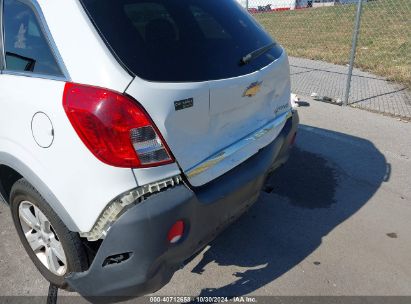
(237, 146)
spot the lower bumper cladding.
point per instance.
(137, 258)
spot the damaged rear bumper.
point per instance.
(140, 234)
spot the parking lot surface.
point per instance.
(335, 220)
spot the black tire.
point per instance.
(73, 248)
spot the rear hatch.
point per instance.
(213, 111)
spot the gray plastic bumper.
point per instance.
(142, 231)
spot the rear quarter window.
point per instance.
(181, 40)
(26, 47)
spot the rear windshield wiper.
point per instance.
(257, 53)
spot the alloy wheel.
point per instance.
(42, 238)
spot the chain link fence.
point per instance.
(326, 38)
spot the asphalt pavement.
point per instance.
(335, 220)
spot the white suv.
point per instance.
(133, 131)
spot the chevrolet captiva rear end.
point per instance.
(132, 132)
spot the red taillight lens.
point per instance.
(114, 127)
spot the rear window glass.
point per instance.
(181, 40)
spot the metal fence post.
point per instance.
(246, 4)
(353, 51)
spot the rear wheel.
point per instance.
(54, 249)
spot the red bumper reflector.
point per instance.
(176, 232)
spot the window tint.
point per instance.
(181, 40)
(145, 15)
(210, 28)
(26, 48)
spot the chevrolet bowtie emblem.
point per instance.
(253, 89)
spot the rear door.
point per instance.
(186, 58)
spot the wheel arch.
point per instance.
(8, 176)
(12, 169)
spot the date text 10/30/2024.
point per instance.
(163, 299)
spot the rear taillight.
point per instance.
(114, 127)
